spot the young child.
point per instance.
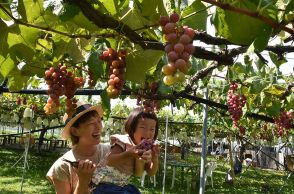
(127, 155)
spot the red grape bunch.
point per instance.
(146, 144)
(149, 105)
(61, 82)
(235, 103)
(179, 48)
(265, 134)
(117, 68)
(242, 130)
(284, 122)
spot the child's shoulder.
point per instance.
(121, 138)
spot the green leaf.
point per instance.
(256, 84)
(277, 60)
(139, 62)
(289, 7)
(6, 65)
(290, 101)
(111, 6)
(68, 12)
(275, 90)
(163, 89)
(139, 22)
(30, 9)
(274, 109)
(227, 24)
(197, 21)
(16, 81)
(65, 45)
(96, 65)
(262, 39)
(4, 30)
(105, 103)
(5, 4)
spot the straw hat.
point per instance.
(81, 109)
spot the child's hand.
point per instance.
(85, 170)
(135, 152)
(147, 156)
(155, 151)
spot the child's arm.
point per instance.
(152, 167)
(118, 156)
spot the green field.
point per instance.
(252, 181)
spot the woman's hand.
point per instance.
(84, 171)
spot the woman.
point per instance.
(83, 129)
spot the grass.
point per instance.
(257, 180)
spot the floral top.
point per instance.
(63, 171)
(108, 174)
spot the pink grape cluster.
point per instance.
(242, 130)
(146, 144)
(284, 122)
(235, 103)
(116, 61)
(179, 48)
(265, 134)
(149, 105)
(61, 82)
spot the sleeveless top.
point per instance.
(108, 174)
(63, 171)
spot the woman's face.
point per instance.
(89, 132)
(145, 130)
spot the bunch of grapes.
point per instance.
(284, 122)
(242, 130)
(61, 82)
(265, 134)
(146, 144)
(235, 103)
(117, 68)
(149, 104)
(91, 81)
(179, 48)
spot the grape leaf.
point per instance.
(95, 65)
(275, 89)
(197, 21)
(6, 65)
(30, 10)
(105, 103)
(6, 5)
(139, 62)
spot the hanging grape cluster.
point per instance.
(235, 103)
(91, 81)
(242, 130)
(61, 82)
(284, 122)
(179, 48)
(149, 105)
(117, 68)
(265, 134)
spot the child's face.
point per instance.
(89, 131)
(145, 130)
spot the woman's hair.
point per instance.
(85, 117)
(133, 119)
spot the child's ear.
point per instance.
(74, 131)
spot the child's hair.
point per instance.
(133, 119)
(74, 139)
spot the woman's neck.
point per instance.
(85, 150)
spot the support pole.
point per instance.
(165, 152)
(203, 147)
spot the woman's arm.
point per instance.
(61, 187)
